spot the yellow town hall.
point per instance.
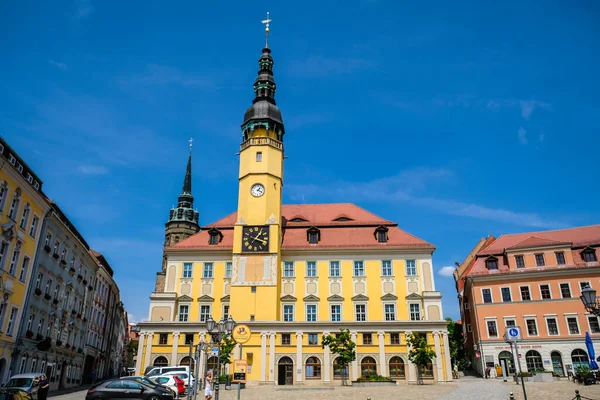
(292, 273)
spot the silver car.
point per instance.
(26, 382)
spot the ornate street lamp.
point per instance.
(223, 328)
(589, 300)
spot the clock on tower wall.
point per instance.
(255, 239)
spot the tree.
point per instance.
(225, 348)
(420, 353)
(132, 349)
(456, 342)
(342, 345)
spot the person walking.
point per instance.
(44, 386)
(208, 391)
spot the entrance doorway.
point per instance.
(557, 364)
(2, 369)
(285, 371)
(508, 357)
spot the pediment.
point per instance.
(360, 297)
(311, 297)
(185, 297)
(388, 297)
(335, 297)
(205, 299)
(225, 299)
(288, 298)
(413, 296)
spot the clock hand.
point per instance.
(260, 240)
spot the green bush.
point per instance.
(223, 378)
(374, 378)
(525, 373)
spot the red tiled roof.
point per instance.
(582, 236)
(533, 241)
(359, 232)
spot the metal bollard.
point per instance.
(577, 395)
(511, 396)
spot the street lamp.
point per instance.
(589, 300)
(223, 328)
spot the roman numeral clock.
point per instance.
(255, 239)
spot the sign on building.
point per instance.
(239, 371)
(513, 334)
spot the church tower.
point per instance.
(183, 220)
(258, 231)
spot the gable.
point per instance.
(205, 299)
(288, 298)
(311, 297)
(335, 297)
(413, 296)
(389, 296)
(360, 297)
(185, 298)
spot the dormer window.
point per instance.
(313, 235)
(215, 236)
(589, 255)
(491, 263)
(298, 219)
(342, 218)
(381, 234)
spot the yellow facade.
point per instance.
(22, 212)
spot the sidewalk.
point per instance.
(69, 390)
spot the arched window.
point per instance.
(212, 364)
(579, 358)
(313, 368)
(161, 362)
(397, 367)
(187, 361)
(14, 204)
(508, 357)
(368, 366)
(338, 371)
(534, 360)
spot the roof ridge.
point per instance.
(550, 230)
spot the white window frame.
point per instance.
(190, 272)
(509, 293)
(356, 313)
(588, 316)
(22, 366)
(4, 254)
(384, 269)
(341, 317)
(283, 315)
(420, 311)
(12, 321)
(355, 264)
(570, 290)
(528, 289)
(537, 327)
(289, 269)
(589, 283)
(412, 269)
(487, 329)
(228, 269)
(339, 269)
(3, 194)
(491, 295)
(306, 305)
(555, 317)
(394, 311)
(312, 269)
(549, 289)
(185, 315)
(511, 318)
(206, 315)
(573, 315)
(208, 268)
(25, 214)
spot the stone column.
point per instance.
(138, 362)
(272, 358)
(412, 372)
(298, 366)
(201, 360)
(327, 363)
(355, 371)
(175, 348)
(438, 357)
(263, 358)
(383, 371)
(147, 359)
(447, 357)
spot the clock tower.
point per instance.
(258, 231)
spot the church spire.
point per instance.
(184, 212)
(187, 181)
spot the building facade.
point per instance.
(293, 273)
(531, 280)
(22, 211)
(54, 327)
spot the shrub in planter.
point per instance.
(29, 334)
(38, 291)
(55, 256)
(55, 301)
(38, 337)
(73, 312)
(72, 270)
(90, 287)
(47, 248)
(79, 316)
(59, 343)
(525, 373)
(47, 296)
(79, 277)
(84, 282)
(63, 262)
(374, 378)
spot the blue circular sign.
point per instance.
(513, 332)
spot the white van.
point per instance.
(156, 371)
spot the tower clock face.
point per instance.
(257, 190)
(255, 238)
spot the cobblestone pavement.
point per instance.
(464, 389)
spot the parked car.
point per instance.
(25, 382)
(148, 381)
(184, 376)
(157, 371)
(172, 382)
(126, 388)
(14, 394)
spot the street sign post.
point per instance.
(512, 335)
(241, 334)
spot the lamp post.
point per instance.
(218, 330)
(589, 300)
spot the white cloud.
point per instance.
(83, 8)
(522, 134)
(92, 169)
(528, 106)
(59, 65)
(446, 271)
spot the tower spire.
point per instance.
(266, 22)
(187, 181)
(185, 202)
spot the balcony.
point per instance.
(262, 141)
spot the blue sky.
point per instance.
(455, 120)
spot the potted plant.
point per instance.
(59, 343)
(39, 337)
(55, 256)
(79, 277)
(55, 301)
(38, 291)
(79, 316)
(29, 334)
(47, 296)
(73, 312)
(47, 248)
(84, 282)
(63, 262)
(90, 287)
(71, 270)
